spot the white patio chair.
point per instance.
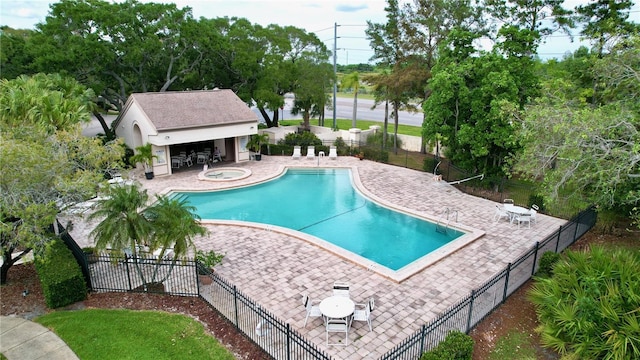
(508, 201)
(311, 307)
(363, 313)
(311, 152)
(500, 213)
(337, 326)
(522, 218)
(534, 211)
(340, 289)
(333, 153)
(296, 153)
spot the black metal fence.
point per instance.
(274, 336)
(277, 338)
(468, 312)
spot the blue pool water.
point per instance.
(323, 203)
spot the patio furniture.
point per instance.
(507, 201)
(333, 153)
(340, 289)
(500, 213)
(522, 218)
(514, 211)
(311, 307)
(337, 326)
(311, 152)
(337, 307)
(362, 312)
(534, 211)
(296, 153)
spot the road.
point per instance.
(344, 110)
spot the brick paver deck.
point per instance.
(275, 268)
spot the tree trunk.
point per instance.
(265, 116)
(355, 109)
(386, 124)
(109, 134)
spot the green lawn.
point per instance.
(345, 124)
(126, 334)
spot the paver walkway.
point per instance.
(21, 339)
(275, 268)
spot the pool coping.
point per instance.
(411, 269)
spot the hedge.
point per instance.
(60, 276)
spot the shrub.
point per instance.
(60, 276)
(547, 261)
(304, 139)
(456, 346)
(535, 199)
(588, 309)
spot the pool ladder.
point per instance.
(441, 226)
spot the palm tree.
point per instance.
(144, 155)
(123, 227)
(175, 225)
(352, 81)
(128, 224)
(123, 224)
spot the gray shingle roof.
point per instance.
(190, 109)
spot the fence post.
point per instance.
(473, 294)
(235, 305)
(288, 341)
(506, 283)
(535, 258)
(423, 329)
(195, 268)
(126, 266)
(575, 232)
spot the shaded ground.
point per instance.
(517, 314)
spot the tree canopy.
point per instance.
(47, 164)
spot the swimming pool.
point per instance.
(323, 203)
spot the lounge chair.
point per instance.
(296, 153)
(333, 153)
(311, 152)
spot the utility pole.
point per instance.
(335, 72)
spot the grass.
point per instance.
(345, 124)
(126, 334)
(515, 345)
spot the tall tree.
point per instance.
(46, 162)
(427, 24)
(15, 59)
(605, 22)
(386, 40)
(118, 48)
(586, 151)
(310, 88)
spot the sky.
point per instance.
(317, 16)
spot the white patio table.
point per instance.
(516, 210)
(337, 307)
